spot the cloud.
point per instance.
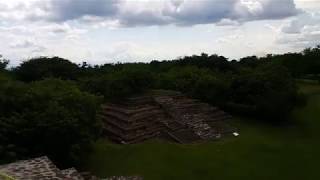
(71, 28)
(298, 24)
(227, 22)
(58, 29)
(189, 12)
(308, 38)
(269, 9)
(23, 44)
(145, 13)
(230, 38)
(303, 31)
(126, 51)
(28, 44)
(75, 9)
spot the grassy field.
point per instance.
(260, 152)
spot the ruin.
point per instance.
(163, 114)
(38, 168)
(42, 168)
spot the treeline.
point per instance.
(49, 106)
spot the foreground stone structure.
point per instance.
(38, 168)
(43, 169)
(164, 114)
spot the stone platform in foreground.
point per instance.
(38, 168)
(43, 169)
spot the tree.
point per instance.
(3, 63)
(120, 83)
(267, 91)
(50, 117)
(251, 61)
(44, 67)
(200, 83)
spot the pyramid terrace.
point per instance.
(164, 114)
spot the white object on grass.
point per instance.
(236, 134)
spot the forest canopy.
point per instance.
(49, 105)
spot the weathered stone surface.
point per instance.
(38, 169)
(162, 113)
(124, 178)
(72, 173)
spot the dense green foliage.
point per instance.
(43, 67)
(49, 105)
(268, 91)
(49, 117)
(200, 83)
(262, 151)
(119, 83)
(302, 64)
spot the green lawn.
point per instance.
(260, 152)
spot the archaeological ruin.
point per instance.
(38, 168)
(159, 114)
(42, 168)
(163, 114)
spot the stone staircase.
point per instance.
(194, 115)
(133, 121)
(162, 113)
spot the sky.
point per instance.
(109, 31)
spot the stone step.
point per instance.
(179, 115)
(128, 110)
(133, 117)
(124, 178)
(131, 128)
(37, 168)
(72, 173)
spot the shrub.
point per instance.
(199, 83)
(269, 89)
(50, 117)
(120, 84)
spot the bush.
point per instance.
(268, 89)
(199, 83)
(50, 117)
(120, 84)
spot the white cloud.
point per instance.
(23, 44)
(302, 31)
(227, 22)
(128, 30)
(301, 22)
(145, 13)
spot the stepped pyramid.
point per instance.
(134, 120)
(162, 113)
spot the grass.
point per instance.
(260, 152)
